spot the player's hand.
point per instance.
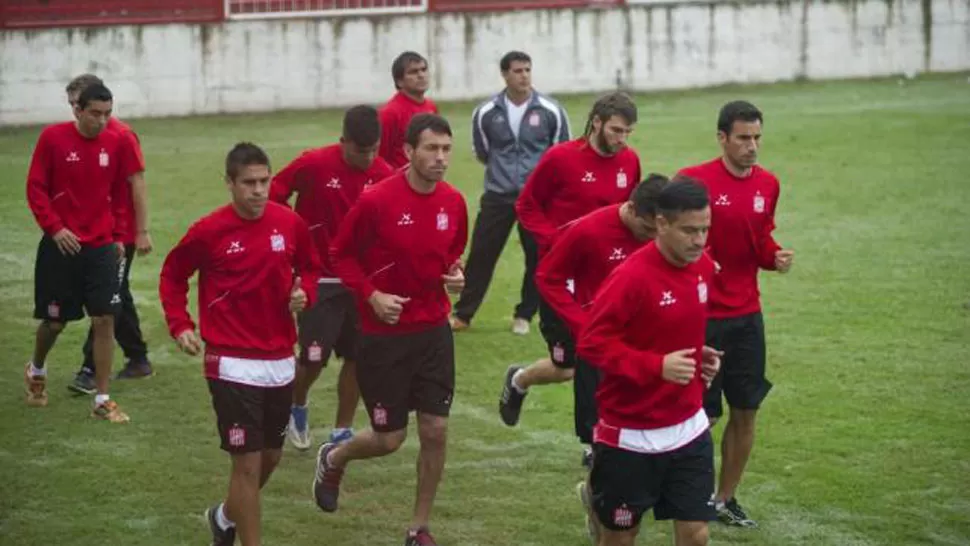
(710, 364)
(679, 366)
(67, 242)
(119, 251)
(454, 279)
(189, 343)
(387, 307)
(783, 260)
(143, 243)
(298, 298)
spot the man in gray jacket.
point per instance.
(510, 132)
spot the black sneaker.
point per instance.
(510, 405)
(731, 513)
(587, 460)
(136, 369)
(220, 537)
(83, 384)
(326, 481)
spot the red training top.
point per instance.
(395, 116)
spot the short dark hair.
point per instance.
(644, 197)
(426, 122)
(92, 92)
(609, 105)
(682, 194)
(511, 57)
(400, 64)
(80, 83)
(362, 126)
(738, 110)
(244, 154)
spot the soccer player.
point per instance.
(327, 182)
(645, 333)
(75, 191)
(587, 251)
(398, 250)
(573, 179)
(138, 241)
(510, 132)
(744, 197)
(410, 73)
(257, 266)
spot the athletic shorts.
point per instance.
(677, 485)
(562, 349)
(330, 325)
(742, 377)
(398, 373)
(66, 286)
(250, 418)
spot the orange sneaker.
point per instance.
(35, 387)
(109, 411)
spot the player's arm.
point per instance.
(539, 188)
(173, 285)
(768, 248)
(564, 258)
(564, 133)
(288, 181)
(479, 137)
(601, 340)
(130, 167)
(461, 233)
(307, 266)
(355, 235)
(139, 194)
(38, 188)
(389, 135)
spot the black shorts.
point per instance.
(330, 325)
(742, 376)
(67, 286)
(398, 373)
(250, 418)
(677, 485)
(562, 349)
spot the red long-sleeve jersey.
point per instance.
(646, 309)
(395, 116)
(401, 242)
(740, 239)
(569, 181)
(326, 187)
(587, 252)
(247, 269)
(78, 183)
(126, 195)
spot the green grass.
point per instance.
(864, 439)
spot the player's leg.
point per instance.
(101, 268)
(584, 406)
(745, 387)
(492, 227)
(242, 506)
(529, 294)
(276, 415)
(687, 491)
(716, 337)
(128, 327)
(348, 393)
(316, 327)
(623, 485)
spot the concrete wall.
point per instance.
(263, 65)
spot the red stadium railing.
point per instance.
(277, 9)
(61, 13)
(512, 5)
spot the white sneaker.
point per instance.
(299, 438)
(520, 327)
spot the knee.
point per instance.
(433, 431)
(743, 419)
(247, 466)
(390, 442)
(53, 327)
(271, 458)
(104, 323)
(696, 534)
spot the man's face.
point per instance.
(93, 118)
(250, 190)
(685, 235)
(357, 156)
(741, 146)
(431, 156)
(518, 77)
(415, 80)
(610, 135)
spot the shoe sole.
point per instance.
(509, 373)
(316, 476)
(80, 390)
(295, 441)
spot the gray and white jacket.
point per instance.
(509, 160)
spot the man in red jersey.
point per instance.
(744, 197)
(410, 73)
(328, 182)
(645, 333)
(398, 251)
(137, 240)
(572, 179)
(257, 266)
(74, 189)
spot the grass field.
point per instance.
(864, 439)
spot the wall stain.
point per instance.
(469, 53)
(650, 42)
(803, 42)
(671, 45)
(711, 35)
(927, 34)
(630, 46)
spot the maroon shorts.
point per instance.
(330, 325)
(250, 418)
(398, 373)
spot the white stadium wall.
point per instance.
(237, 66)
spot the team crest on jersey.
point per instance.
(534, 119)
(759, 202)
(620, 179)
(103, 158)
(701, 290)
(623, 517)
(380, 415)
(237, 436)
(277, 242)
(442, 222)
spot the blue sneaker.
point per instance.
(298, 430)
(341, 435)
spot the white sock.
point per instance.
(341, 430)
(100, 399)
(221, 520)
(515, 381)
(37, 372)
